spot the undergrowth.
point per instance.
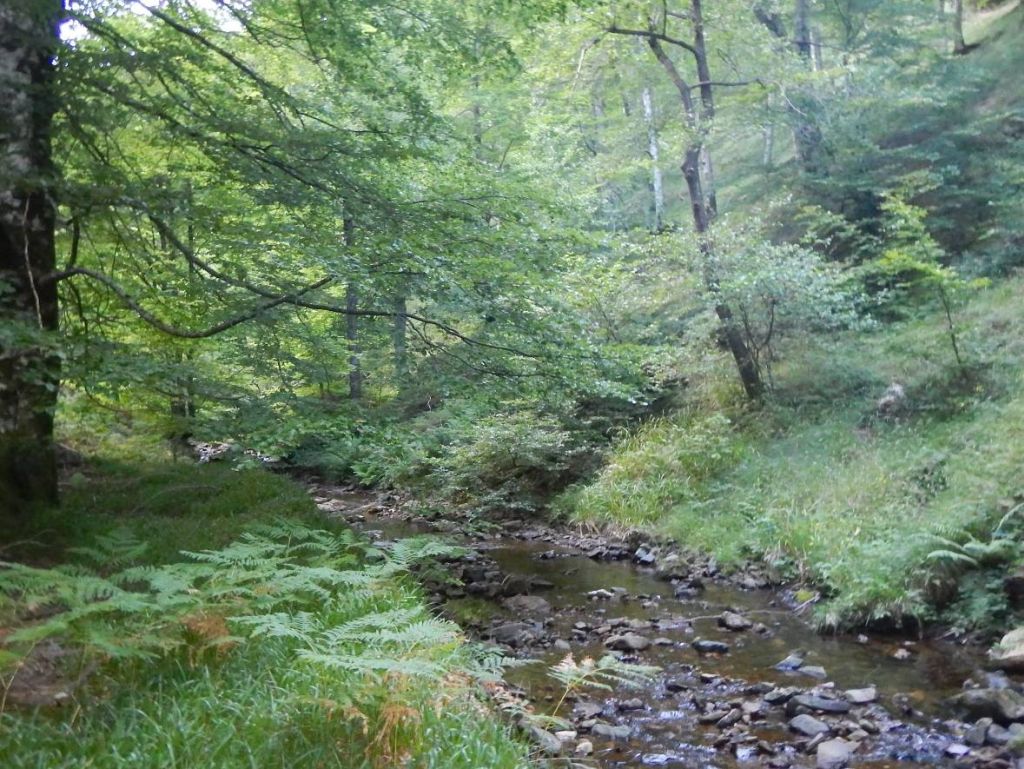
(290, 646)
(824, 489)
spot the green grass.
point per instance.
(258, 702)
(817, 485)
(173, 505)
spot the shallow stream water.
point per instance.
(665, 731)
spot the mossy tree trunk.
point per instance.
(29, 366)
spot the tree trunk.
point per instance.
(657, 187)
(29, 367)
(746, 366)
(399, 341)
(806, 133)
(802, 29)
(959, 44)
(768, 152)
(355, 370)
(703, 205)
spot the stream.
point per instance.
(720, 699)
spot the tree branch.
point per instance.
(177, 331)
(651, 35)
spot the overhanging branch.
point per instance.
(173, 330)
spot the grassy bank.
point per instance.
(877, 511)
(277, 643)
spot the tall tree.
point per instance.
(29, 365)
(653, 150)
(697, 166)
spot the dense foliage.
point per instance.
(743, 274)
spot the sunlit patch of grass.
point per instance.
(820, 486)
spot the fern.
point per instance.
(327, 600)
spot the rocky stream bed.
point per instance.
(744, 680)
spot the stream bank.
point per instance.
(744, 681)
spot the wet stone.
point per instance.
(780, 696)
(808, 725)
(998, 735)
(1001, 705)
(655, 759)
(815, 671)
(816, 703)
(712, 716)
(791, 662)
(702, 646)
(862, 696)
(734, 622)
(608, 731)
(732, 717)
(528, 604)
(835, 753)
(644, 557)
(587, 709)
(631, 642)
(547, 742)
(513, 634)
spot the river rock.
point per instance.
(644, 557)
(833, 754)
(633, 704)
(628, 642)
(1004, 706)
(781, 695)
(978, 733)
(957, 750)
(702, 646)
(862, 696)
(655, 759)
(547, 742)
(735, 622)
(808, 725)
(672, 566)
(689, 588)
(584, 748)
(513, 634)
(608, 731)
(792, 662)
(734, 716)
(527, 604)
(816, 703)
(1008, 654)
(814, 671)
(998, 735)
(585, 709)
